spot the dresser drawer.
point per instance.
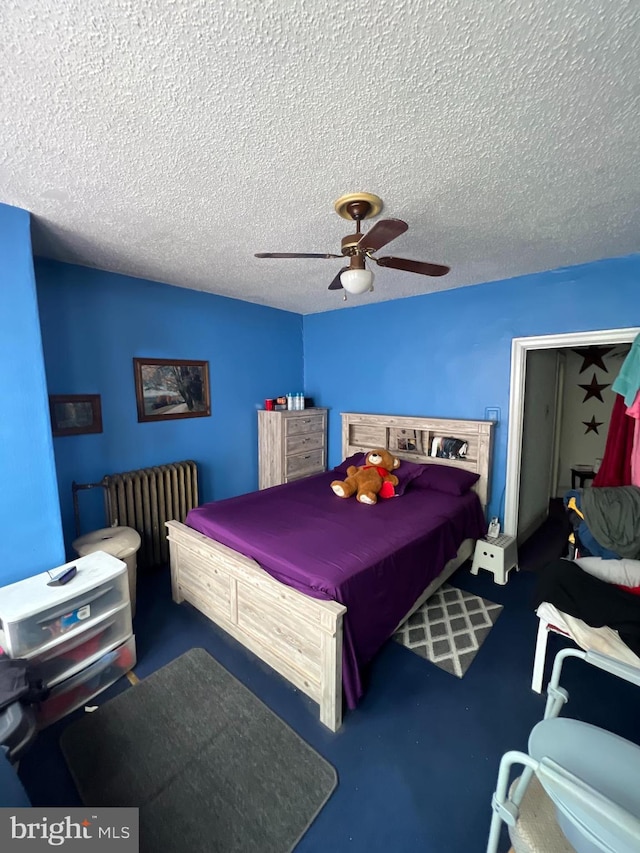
(303, 464)
(76, 691)
(304, 442)
(42, 630)
(78, 651)
(303, 424)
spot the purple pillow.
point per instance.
(406, 473)
(445, 478)
(357, 459)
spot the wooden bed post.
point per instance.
(331, 672)
(174, 559)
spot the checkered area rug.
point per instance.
(449, 628)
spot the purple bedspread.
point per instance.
(376, 560)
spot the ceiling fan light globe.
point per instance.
(357, 281)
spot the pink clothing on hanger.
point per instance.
(615, 468)
(634, 411)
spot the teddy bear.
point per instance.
(371, 480)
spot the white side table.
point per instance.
(498, 555)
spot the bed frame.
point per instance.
(301, 637)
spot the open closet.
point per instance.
(542, 451)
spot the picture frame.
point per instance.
(449, 447)
(75, 414)
(405, 441)
(167, 389)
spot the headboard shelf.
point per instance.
(410, 437)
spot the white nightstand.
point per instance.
(498, 555)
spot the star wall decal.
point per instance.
(593, 356)
(592, 425)
(594, 389)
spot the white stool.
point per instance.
(498, 555)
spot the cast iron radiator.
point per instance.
(146, 498)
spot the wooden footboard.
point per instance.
(300, 637)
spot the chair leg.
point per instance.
(539, 657)
(494, 833)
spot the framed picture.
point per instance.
(75, 414)
(449, 448)
(405, 440)
(167, 389)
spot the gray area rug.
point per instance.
(210, 767)
(449, 628)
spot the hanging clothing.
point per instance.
(627, 381)
(615, 468)
(634, 412)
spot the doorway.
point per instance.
(520, 348)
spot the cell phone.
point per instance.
(62, 576)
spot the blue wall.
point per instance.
(448, 354)
(31, 539)
(444, 354)
(94, 323)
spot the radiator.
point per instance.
(146, 498)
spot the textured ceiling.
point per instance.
(172, 139)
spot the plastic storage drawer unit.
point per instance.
(77, 651)
(35, 616)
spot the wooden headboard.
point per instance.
(361, 433)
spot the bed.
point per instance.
(317, 616)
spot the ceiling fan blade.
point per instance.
(381, 233)
(420, 267)
(293, 255)
(336, 284)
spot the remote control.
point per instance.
(62, 576)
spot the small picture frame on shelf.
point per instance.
(448, 447)
(405, 441)
(75, 414)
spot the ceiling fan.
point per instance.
(359, 247)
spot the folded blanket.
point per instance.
(613, 516)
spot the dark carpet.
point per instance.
(210, 767)
(418, 759)
(549, 542)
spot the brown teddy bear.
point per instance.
(370, 480)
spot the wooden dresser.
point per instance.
(291, 445)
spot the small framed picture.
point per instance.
(168, 389)
(75, 414)
(405, 441)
